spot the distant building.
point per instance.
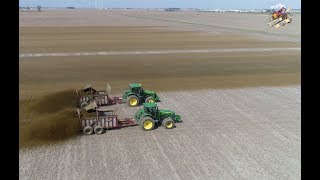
(172, 9)
(24, 8)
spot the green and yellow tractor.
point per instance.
(148, 116)
(136, 94)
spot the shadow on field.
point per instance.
(49, 119)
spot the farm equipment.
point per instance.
(280, 18)
(87, 90)
(94, 119)
(150, 115)
(88, 94)
(136, 94)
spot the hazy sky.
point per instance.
(206, 4)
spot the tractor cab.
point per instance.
(136, 89)
(151, 108)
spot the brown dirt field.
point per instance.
(122, 38)
(252, 24)
(50, 81)
(226, 133)
(251, 133)
(53, 114)
(39, 76)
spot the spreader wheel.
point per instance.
(98, 129)
(88, 130)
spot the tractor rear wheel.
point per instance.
(168, 123)
(133, 101)
(147, 123)
(88, 130)
(98, 129)
(149, 99)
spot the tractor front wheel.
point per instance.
(147, 123)
(168, 123)
(149, 99)
(133, 101)
(88, 130)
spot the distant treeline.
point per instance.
(38, 8)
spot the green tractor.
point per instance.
(150, 115)
(135, 94)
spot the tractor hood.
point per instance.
(151, 93)
(148, 92)
(169, 113)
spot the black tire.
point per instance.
(131, 102)
(147, 127)
(168, 123)
(149, 98)
(88, 130)
(98, 129)
(83, 105)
